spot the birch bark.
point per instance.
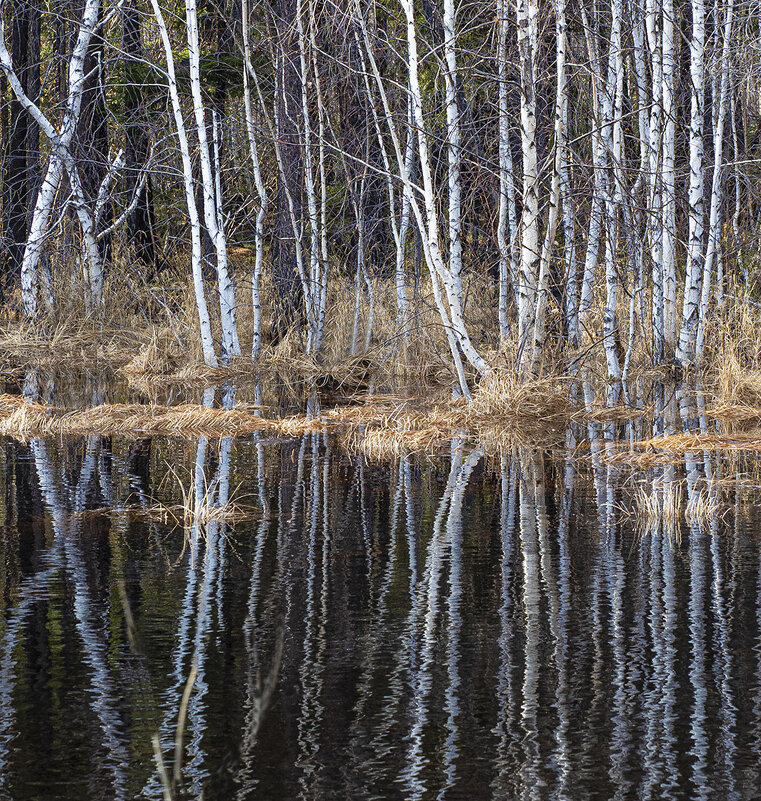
(212, 214)
(207, 341)
(527, 16)
(561, 115)
(507, 224)
(714, 216)
(449, 276)
(256, 342)
(696, 220)
(668, 209)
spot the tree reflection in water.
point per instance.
(465, 625)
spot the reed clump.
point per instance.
(702, 508)
(505, 395)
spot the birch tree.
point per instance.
(507, 225)
(212, 204)
(196, 255)
(714, 218)
(256, 275)
(448, 275)
(691, 303)
(527, 16)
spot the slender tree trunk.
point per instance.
(507, 224)
(196, 258)
(561, 115)
(668, 210)
(60, 140)
(527, 14)
(260, 189)
(655, 194)
(717, 189)
(696, 219)
(141, 222)
(211, 202)
(289, 299)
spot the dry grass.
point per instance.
(702, 508)
(25, 421)
(659, 505)
(504, 412)
(733, 355)
(156, 366)
(669, 449)
(197, 509)
(381, 426)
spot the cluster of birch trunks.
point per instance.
(595, 160)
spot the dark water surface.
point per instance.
(464, 626)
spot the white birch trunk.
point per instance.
(714, 216)
(561, 115)
(668, 208)
(655, 132)
(612, 112)
(43, 208)
(599, 164)
(448, 275)
(207, 341)
(322, 289)
(60, 140)
(212, 215)
(527, 15)
(696, 219)
(507, 223)
(314, 246)
(256, 341)
(402, 300)
(413, 192)
(454, 146)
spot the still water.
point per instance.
(458, 626)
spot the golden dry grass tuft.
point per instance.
(733, 354)
(499, 416)
(659, 506)
(702, 507)
(504, 395)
